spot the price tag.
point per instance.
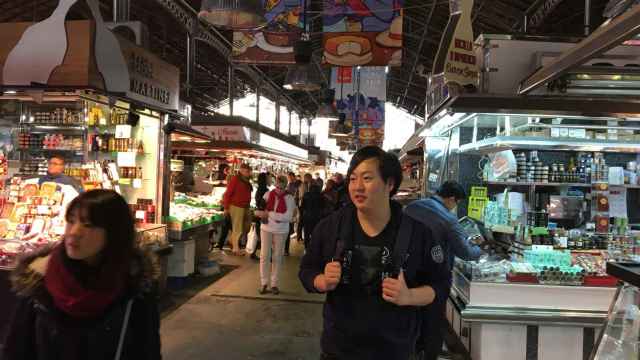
(137, 183)
(126, 159)
(542, 248)
(140, 214)
(123, 131)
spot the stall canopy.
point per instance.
(183, 133)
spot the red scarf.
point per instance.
(282, 203)
(70, 296)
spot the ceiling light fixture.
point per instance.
(234, 14)
(303, 78)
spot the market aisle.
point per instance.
(230, 320)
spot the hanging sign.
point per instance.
(361, 95)
(456, 60)
(362, 32)
(272, 44)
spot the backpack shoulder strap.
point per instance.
(403, 241)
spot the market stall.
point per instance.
(552, 180)
(104, 121)
(195, 217)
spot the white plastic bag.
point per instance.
(252, 240)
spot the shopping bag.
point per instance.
(252, 240)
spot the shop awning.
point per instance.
(609, 35)
(413, 147)
(617, 108)
(243, 148)
(183, 133)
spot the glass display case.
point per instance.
(620, 339)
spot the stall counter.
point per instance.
(557, 322)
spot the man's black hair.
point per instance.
(451, 189)
(388, 165)
(57, 156)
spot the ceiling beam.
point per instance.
(425, 32)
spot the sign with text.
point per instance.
(152, 81)
(456, 59)
(226, 133)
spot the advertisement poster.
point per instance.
(362, 32)
(360, 99)
(272, 44)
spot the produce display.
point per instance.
(186, 212)
(31, 217)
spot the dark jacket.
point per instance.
(368, 327)
(313, 208)
(432, 213)
(39, 331)
(343, 198)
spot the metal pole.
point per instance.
(290, 118)
(190, 63)
(526, 23)
(231, 80)
(277, 127)
(258, 103)
(300, 129)
(309, 132)
(115, 11)
(587, 17)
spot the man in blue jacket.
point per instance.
(437, 214)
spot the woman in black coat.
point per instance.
(264, 180)
(312, 210)
(90, 297)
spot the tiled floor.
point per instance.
(230, 320)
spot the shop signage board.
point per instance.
(456, 58)
(226, 133)
(91, 60)
(362, 32)
(272, 44)
(152, 81)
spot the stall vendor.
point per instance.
(55, 173)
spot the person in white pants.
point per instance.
(273, 234)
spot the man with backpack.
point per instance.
(376, 265)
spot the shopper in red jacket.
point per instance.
(236, 201)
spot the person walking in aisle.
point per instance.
(224, 174)
(376, 265)
(342, 191)
(312, 210)
(278, 216)
(307, 182)
(319, 181)
(437, 214)
(91, 296)
(236, 200)
(292, 188)
(331, 195)
(264, 181)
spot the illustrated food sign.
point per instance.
(361, 95)
(362, 32)
(456, 60)
(272, 44)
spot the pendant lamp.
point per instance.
(234, 14)
(303, 78)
